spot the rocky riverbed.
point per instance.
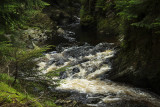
(84, 77)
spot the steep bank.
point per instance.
(136, 24)
(138, 61)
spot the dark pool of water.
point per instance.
(75, 31)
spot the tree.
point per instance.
(140, 13)
(14, 13)
(20, 60)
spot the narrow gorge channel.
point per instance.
(86, 64)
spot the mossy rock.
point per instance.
(87, 21)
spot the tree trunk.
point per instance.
(16, 69)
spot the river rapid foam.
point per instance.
(86, 77)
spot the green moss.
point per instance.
(5, 78)
(16, 95)
(1, 30)
(49, 103)
(10, 95)
(87, 20)
(42, 21)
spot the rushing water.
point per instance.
(85, 76)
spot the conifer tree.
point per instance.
(14, 13)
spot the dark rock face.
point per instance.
(62, 11)
(138, 63)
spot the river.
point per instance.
(87, 61)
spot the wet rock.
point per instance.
(83, 60)
(124, 103)
(60, 31)
(63, 75)
(102, 47)
(75, 70)
(76, 52)
(60, 62)
(30, 45)
(68, 35)
(103, 77)
(93, 100)
(80, 97)
(77, 76)
(51, 62)
(79, 61)
(58, 39)
(65, 21)
(91, 69)
(60, 101)
(107, 61)
(61, 47)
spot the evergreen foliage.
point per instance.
(14, 13)
(20, 60)
(140, 13)
(100, 5)
(136, 13)
(102, 13)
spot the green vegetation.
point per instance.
(100, 14)
(20, 95)
(141, 13)
(9, 96)
(140, 27)
(112, 15)
(87, 20)
(56, 72)
(15, 13)
(21, 64)
(136, 23)
(17, 61)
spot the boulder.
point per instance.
(60, 31)
(75, 70)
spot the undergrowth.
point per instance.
(23, 93)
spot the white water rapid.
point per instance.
(85, 73)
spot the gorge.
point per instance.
(103, 53)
